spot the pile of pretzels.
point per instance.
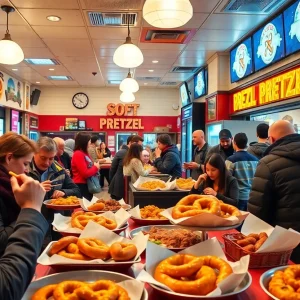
(252, 242)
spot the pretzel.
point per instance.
(122, 251)
(82, 219)
(94, 248)
(102, 289)
(291, 277)
(76, 255)
(153, 185)
(66, 290)
(96, 206)
(44, 293)
(71, 200)
(268, 45)
(229, 210)
(61, 244)
(185, 184)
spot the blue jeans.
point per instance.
(242, 205)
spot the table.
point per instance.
(252, 293)
(105, 166)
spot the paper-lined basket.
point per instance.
(137, 218)
(170, 185)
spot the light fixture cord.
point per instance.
(7, 31)
(128, 26)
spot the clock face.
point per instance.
(80, 100)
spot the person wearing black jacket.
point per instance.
(17, 265)
(103, 152)
(217, 181)
(275, 195)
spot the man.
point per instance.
(61, 156)
(225, 148)
(258, 148)
(242, 166)
(200, 153)
(276, 186)
(116, 177)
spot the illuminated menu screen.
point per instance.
(292, 28)
(184, 94)
(200, 84)
(241, 61)
(269, 43)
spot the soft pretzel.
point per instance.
(102, 289)
(76, 256)
(228, 210)
(94, 248)
(44, 293)
(66, 290)
(122, 251)
(96, 206)
(61, 244)
(82, 219)
(291, 276)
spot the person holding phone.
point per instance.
(217, 181)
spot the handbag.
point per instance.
(93, 181)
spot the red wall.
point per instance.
(222, 108)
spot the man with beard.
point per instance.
(225, 148)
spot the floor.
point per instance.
(104, 193)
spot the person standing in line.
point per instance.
(62, 157)
(102, 153)
(242, 166)
(69, 147)
(225, 148)
(92, 149)
(199, 156)
(276, 185)
(258, 148)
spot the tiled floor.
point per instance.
(103, 194)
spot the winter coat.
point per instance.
(220, 150)
(169, 162)
(199, 157)
(258, 149)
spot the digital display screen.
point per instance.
(200, 83)
(268, 43)
(184, 94)
(292, 28)
(14, 125)
(241, 60)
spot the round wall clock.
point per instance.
(80, 100)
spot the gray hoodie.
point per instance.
(69, 146)
(258, 149)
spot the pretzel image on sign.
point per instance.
(242, 60)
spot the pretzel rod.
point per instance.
(13, 174)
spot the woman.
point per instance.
(16, 152)
(82, 165)
(217, 181)
(133, 165)
(103, 152)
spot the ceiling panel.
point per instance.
(159, 66)
(214, 46)
(113, 5)
(82, 68)
(110, 33)
(156, 54)
(37, 53)
(76, 60)
(17, 31)
(218, 35)
(50, 32)
(161, 46)
(204, 6)
(44, 70)
(13, 18)
(110, 44)
(177, 76)
(39, 17)
(201, 54)
(62, 4)
(155, 73)
(64, 83)
(165, 60)
(190, 62)
(30, 43)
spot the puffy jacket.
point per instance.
(258, 149)
(169, 162)
(220, 150)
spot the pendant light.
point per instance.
(167, 13)
(127, 97)
(10, 52)
(129, 84)
(128, 55)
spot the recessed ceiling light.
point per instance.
(145, 83)
(59, 77)
(54, 18)
(41, 61)
(14, 69)
(155, 61)
(151, 70)
(51, 69)
(37, 82)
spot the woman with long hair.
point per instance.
(133, 165)
(217, 181)
(16, 152)
(103, 152)
(82, 165)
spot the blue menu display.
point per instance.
(241, 64)
(200, 84)
(292, 28)
(184, 94)
(269, 43)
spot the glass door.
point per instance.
(213, 133)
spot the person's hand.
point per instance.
(46, 185)
(97, 164)
(68, 172)
(210, 191)
(30, 194)
(193, 165)
(157, 152)
(58, 194)
(202, 177)
(186, 166)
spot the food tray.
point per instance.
(124, 206)
(134, 232)
(117, 231)
(202, 228)
(244, 285)
(88, 276)
(150, 221)
(61, 207)
(266, 277)
(257, 260)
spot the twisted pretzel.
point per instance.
(122, 251)
(94, 248)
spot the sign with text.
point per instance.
(278, 88)
(121, 110)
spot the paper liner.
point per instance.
(179, 189)
(170, 185)
(155, 254)
(84, 203)
(94, 230)
(63, 224)
(280, 239)
(205, 219)
(133, 287)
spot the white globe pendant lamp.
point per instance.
(10, 52)
(128, 55)
(129, 84)
(167, 13)
(127, 97)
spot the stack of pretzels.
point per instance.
(253, 241)
(101, 289)
(80, 219)
(193, 205)
(91, 248)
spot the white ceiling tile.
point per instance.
(50, 32)
(64, 83)
(37, 53)
(159, 65)
(30, 43)
(164, 60)
(204, 6)
(110, 33)
(161, 46)
(177, 76)
(213, 46)
(9, 67)
(82, 68)
(13, 18)
(190, 62)
(110, 44)
(73, 60)
(62, 4)
(39, 17)
(201, 54)
(218, 35)
(115, 5)
(156, 54)
(44, 70)
(17, 31)
(105, 52)
(155, 73)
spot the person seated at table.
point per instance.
(62, 157)
(217, 181)
(103, 152)
(146, 157)
(133, 165)
(18, 263)
(16, 152)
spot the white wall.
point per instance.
(153, 101)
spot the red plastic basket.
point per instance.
(257, 260)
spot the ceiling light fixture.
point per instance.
(167, 13)
(151, 70)
(155, 61)
(10, 52)
(37, 82)
(129, 84)
(14, 69)
(51, 69)
(53, 18)
(127, 97)
(128, 55)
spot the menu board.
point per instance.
(241, 61)
(292, 28)
(71, 124)
(200, 83)
(14, 122)
(268, 43)
(184, 94)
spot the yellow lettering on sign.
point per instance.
(244, 99)
(110, 123)
(262, 93)
(129, 124)
(116, 124)
(121, 123)
(119, 110)
(291, 80)
(102, 123)
(297, 85)
(110, 109)
(275, 88)
(140, 124)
